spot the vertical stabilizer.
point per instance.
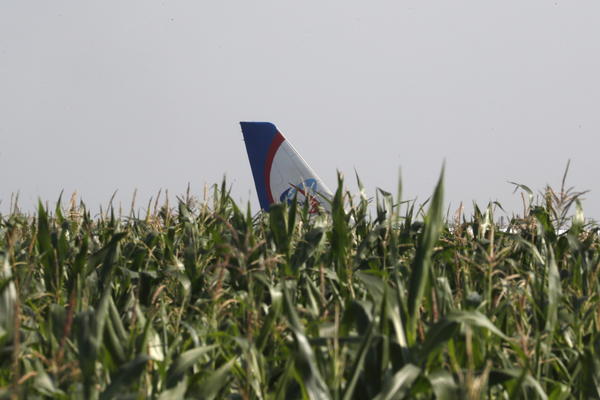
(280, 173)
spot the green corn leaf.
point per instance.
(443, 385)
(398, 386)
(45, 385)
(44, 244)
(519, 378)
(438, 335)
(278, 227)
(422, 262)
(8, 299)
(184, 362)
(339, 230)
(359, 363)
(125, 376)
(306, 363)
(525, 188)
(176, 392)
(210, 386)
(554, 293)
(475, 319)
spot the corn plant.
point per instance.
(381, 299)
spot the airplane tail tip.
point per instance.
(254, 128)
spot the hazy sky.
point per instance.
(117, 95)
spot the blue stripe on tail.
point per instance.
(258, 137)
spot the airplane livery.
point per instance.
(280, 173)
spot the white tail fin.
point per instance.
(280, 173)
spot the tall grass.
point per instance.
(208, 300)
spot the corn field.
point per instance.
(381, 299)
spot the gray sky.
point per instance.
(117, 95)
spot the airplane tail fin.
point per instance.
(280, 173)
